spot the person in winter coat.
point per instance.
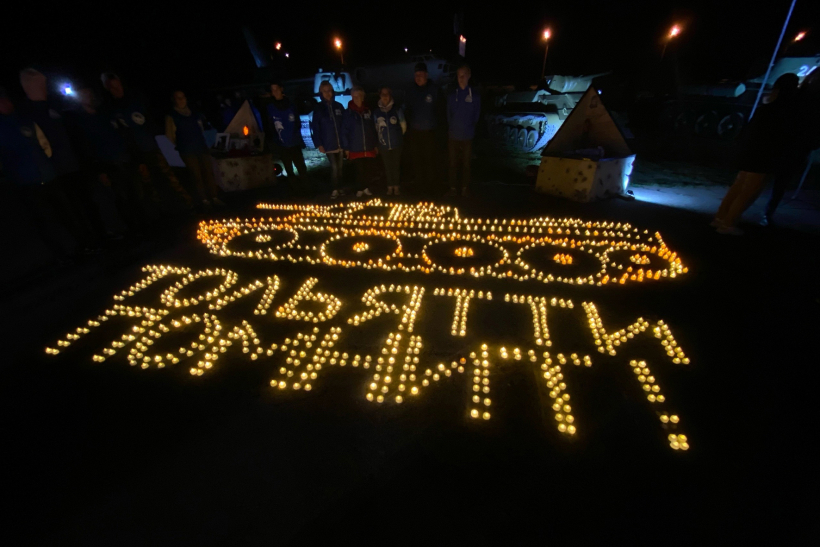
(326, 128)
(185, 128)
(104, 155)
(422, 105)
(769, 138)
(28, 173)
(40, 109)
(797, 159)
(359, 140)
(390, 129)
(284, 131)
(130, 109)
(463, 110)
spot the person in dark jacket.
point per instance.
(422, 105)
(359, 140)
(463, 110)
(26, 169)
(390, 129)
(798, 157)
(104, 156)
(185, 128)
(68, 175)
(326, 127)
(284, 130)
(131, 112)
(768, 139)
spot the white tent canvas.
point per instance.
(244, 117)
(588, 158)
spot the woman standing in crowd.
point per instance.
(326, 127)
(390, 127)
(185, 128)
(359, 140)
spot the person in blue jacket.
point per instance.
(185, 128)
(359, 140)
(390, 129)
(284, 130)
(463, 110)
(130, 109)
(422, 109)
(26, 170)
(326, 128)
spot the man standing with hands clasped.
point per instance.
(463, 109)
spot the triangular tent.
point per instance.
(589, 125)
(246, 116)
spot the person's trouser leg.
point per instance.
(195, 171)
(335, 160)
(286, 155)
(77, 189)
(208, 179)
(392, 165)
(47, 206)
(731, 195)
(782, 178)
(466, 161)
(299, 161)
(129, 196)
(454, 151)
(752, 185)
(160, 171)
(359, 174)
(430, 158)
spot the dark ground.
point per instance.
(103, 454)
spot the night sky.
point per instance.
(157, 47)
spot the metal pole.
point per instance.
(771, 63)
(544, 65)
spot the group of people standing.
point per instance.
(362, 135)
(94, 169)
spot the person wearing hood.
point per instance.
(284, 130)
(359, 140)
(130, 110)
(769, 138)
(326, 129)
(29, 175)
(422, 104)
(185, 128)
(390, 129)
(463, 111)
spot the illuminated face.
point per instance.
(115, 88)
(384, 96)
(358, 98)
(463, 76)
(420, 78)
(277, 92)
(180, 100)
(327, 92)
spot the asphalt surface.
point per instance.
(107, 454)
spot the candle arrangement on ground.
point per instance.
(198, 318)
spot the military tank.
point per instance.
(721, 110)
(527, 120)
